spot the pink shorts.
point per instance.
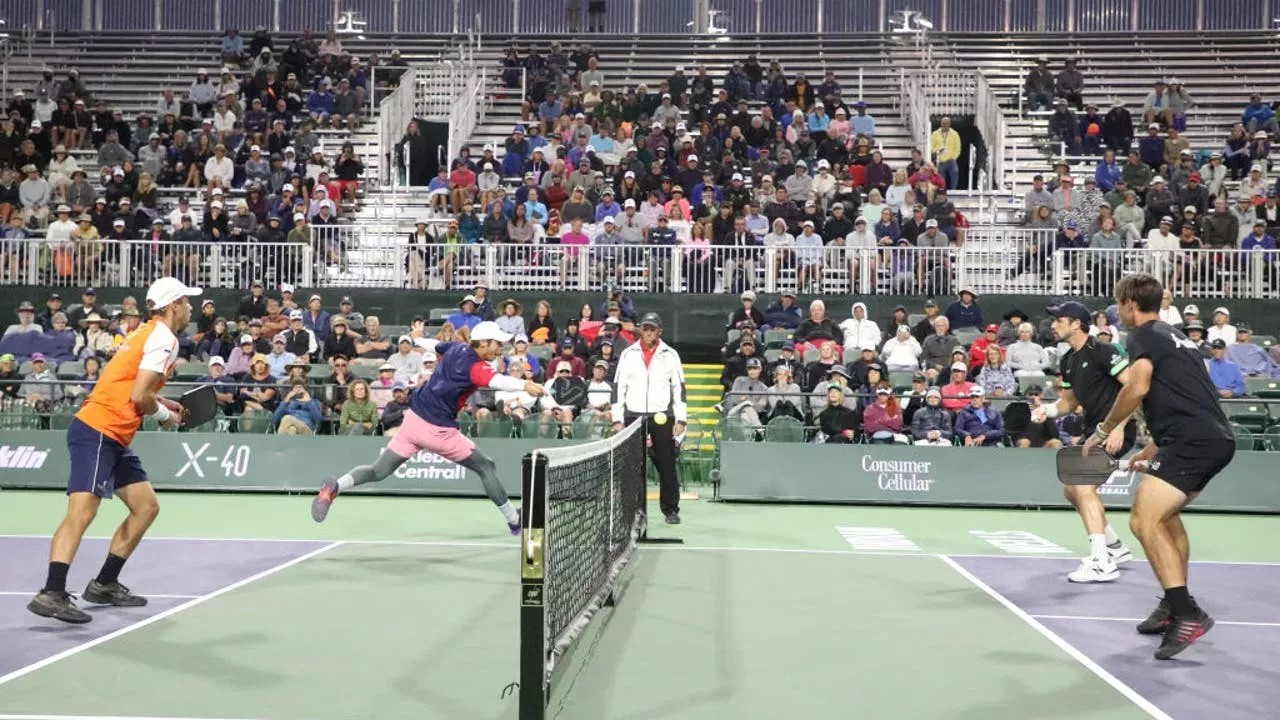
(416, 434)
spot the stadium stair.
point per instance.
(702, 384)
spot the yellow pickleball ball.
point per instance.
(660, 418)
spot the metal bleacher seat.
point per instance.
(776, 338)
(71, 370)
(440, 313)
(966, 336)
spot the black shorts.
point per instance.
(1189, 466)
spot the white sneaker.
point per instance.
(1119, 554)
(1094, 570)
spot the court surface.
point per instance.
(407, 608)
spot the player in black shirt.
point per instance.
(1191, 443)
(1093, 371)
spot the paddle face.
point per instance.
(199, 406)
(1076, 468)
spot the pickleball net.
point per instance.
(584, 510)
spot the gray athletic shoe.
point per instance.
(324, 499)
(59, 606)
(112, 594)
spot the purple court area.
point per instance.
(1231, 674)
(186, 569)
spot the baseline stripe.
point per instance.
(1098, 618)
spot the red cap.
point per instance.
(993, 328)
(1194, 176)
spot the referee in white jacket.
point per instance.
(650, 385)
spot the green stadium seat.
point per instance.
(493, 428)
(1245, 439)
(1026, 381)
(1259, 385)
(784, 429)
(775, 338)
(901, 379)
(737, 431)
(1265, 341)
(540, 428)
(441, 313)
(809, 356)
(542, 352)
(60, 418)
(1271, 441)
(731, 336)
(772, 355)
(191, 371)
(71, 370)
(966, 336)
(365, 372)
(319, 371)
(1254, 417)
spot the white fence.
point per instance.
(992, 260)
(929, 92)
(394, 113)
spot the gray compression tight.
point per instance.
(477, 462)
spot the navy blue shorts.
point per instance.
(99, 464)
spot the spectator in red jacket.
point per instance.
(978, 351)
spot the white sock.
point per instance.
(1098, 545)
(346, 482)
(1110, 534)
(509, 512)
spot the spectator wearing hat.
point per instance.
(836, 420)
(26, 321)
(932, 424)
(785, 397)
(298, 413)
(965, 312)
(747, 400)
(1224, 373)
(223, 389)
(241, 357)
(573, 354)
(883, 420)
(97, 339)
(956, 392)
(1222, 329)
(467, 316)
(1252, 360)
(340, 340)
(1267, 258)
(1194, 330)
(407, 361)
(510, 320)
(317, 319)
(40, 388)
(977, 423)
(279, 359)
(300, 340)
(258, 394)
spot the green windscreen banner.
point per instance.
(908, 475)
(221, 461)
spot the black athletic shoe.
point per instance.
(324, 499)
(1182, 632)
(673, 518)
(1157, 621)
(59, 606)
(112, 594)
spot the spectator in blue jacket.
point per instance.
(316, 319)
(1226, 375)
(298, 413)
(1151, 148)
(1107, 172)
(965, 312)
(466, 316)
(1258, 115)
(978, 423)
(784, 314)
(1252, 359)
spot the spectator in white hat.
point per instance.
(1222, 329)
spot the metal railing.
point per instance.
(1206, 273)
(394, 114)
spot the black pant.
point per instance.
(663, 454)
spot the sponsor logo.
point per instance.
(1120, 483)
(22, 457)
(532, 595)
(910, 476)
(426, 465)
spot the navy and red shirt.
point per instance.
(459, 371)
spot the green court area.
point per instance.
(408, 608)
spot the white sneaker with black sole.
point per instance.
(1094, 570)
(1119, 553)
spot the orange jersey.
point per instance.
(109, 409)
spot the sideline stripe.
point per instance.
(646, 548)
(105, 717)
(1240, 623)
(20, 672)
(29, 593)
(1134, 696)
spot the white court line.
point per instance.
(29, 593)
(104, 717)
(162, 615)
(1240, 623)
(665, 548)
(1133, 695)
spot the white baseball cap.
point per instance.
(489, 330)
(168, 290)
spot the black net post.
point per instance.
(533, 689)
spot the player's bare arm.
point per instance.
(1136, 387)
(145, 397)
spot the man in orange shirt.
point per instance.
(102, 463)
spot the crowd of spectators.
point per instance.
(1149, 188)
(943, 376)
(250, 129)
(281, 363)
(692, 164)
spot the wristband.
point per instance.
(1100, 434)
(161, 414)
